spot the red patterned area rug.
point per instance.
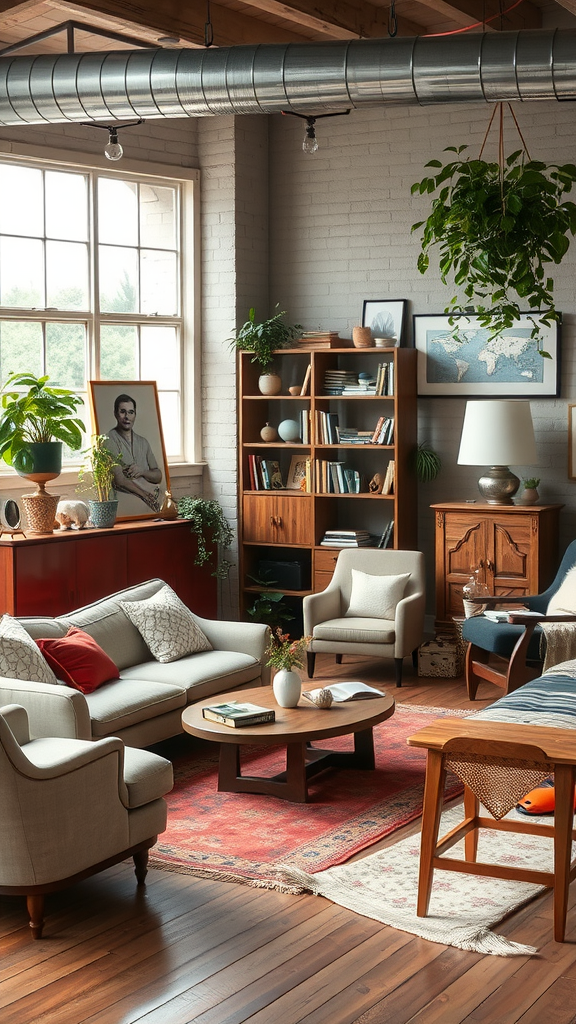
(244, 837)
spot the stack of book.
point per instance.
(383, 431)
(365, 385)
(349, 435)
(336, 380)
(265, 474)
(326, 427)
(319, 339)
(386, 537)
(347, 539)
(336, 478)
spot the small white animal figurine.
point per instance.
(72, 515)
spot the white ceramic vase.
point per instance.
(269, 384)
(287, 688)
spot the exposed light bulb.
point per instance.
(310, 144)
(113, 149)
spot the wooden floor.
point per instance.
(191, 950)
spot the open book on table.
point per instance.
(345, 691)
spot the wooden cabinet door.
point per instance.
(169, 553)
(273, 519)
(45, 578)
(100, 566)
(324, 565)
(512, 554)
(464, 550)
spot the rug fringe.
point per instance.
(493, 944)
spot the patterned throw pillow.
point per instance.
(167, 626)
(376, 597)
(19, 655)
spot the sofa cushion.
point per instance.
(107, 623)
(147, 776)
(78, 660)
(499, 637)
(125, 702)
(200, 674)
(356, 630)
(375, 596)
(19, 655)
(167, 626)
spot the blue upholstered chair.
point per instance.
(508, 653)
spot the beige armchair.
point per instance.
(358, 614)
(70, 808)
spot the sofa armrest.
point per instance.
(320, 607)
(409, 624)
(53, 710)
(243, 637)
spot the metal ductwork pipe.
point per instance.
(307, 78)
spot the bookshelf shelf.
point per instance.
(286, 526)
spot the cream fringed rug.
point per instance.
(463, 908)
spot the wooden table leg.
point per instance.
(563, 818)
(364, 750)
(431, 812)
(296, 781)
(229, 767)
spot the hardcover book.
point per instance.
(236, 714)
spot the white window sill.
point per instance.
(10, 481)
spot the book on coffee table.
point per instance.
(236, 714)
(342, 692)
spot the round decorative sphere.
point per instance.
(269, 384)
(269, 433)
(289, 430)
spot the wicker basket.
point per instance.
(362, 337)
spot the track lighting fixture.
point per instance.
(113, 150)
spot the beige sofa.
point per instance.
(145, 704)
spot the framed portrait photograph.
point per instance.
(385, 318)
(461, 359)
(128, 414)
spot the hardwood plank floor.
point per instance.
(194, 950)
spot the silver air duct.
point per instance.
(307, 78)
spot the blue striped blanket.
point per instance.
(549, 700)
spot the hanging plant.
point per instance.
(497, 226)
(208, 522)
(427, 462)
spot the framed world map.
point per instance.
(462, 359)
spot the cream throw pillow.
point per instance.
(20, 657)
(167, 626)
(564, 600)
(376, 597)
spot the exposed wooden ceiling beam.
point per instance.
(337, 19)
(569, 5)
(468, 12)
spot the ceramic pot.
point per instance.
(269, 433)
(269, 384)
(103, 513)
(530, 496)
(287, 688)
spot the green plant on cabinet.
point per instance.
(208, 522)
(264, 338)
(35, 413)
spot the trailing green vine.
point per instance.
(497, 226)
(208, 522)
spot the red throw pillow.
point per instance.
(78, 660)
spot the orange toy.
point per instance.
(540, 800)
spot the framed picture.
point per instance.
(461, 359)
(385, 318)
(572, 442)
(128, 413)
(296, 479)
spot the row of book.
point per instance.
(331, 476)
(387, 535)
(334, 477)
(384, 431)
(328, 430)
(350, 383)
(265, 474)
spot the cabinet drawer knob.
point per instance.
(278, 520)
(272, 521)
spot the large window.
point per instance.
(90, 275)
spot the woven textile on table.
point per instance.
(559, 640)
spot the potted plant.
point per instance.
(101, 463)
(530, 494)
(263, 340)
(269, 606)
(497, 225)
(35, 421)
(283, 654)
(427, 462)
(213, 530)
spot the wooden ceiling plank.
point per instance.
(569, 5)
(336, 19)
(469, 12)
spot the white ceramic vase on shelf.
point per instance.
(269, 383)
(287, 688)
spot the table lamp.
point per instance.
(497, 433)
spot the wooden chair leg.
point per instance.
(471, 810)
(398, 664)
(563, 818)
(35, 907)
(311, 661)
(338, 659)
(415, 657)
(141, 866)
(472, 680)
(431, 813)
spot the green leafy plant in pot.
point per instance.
(35, 421)
(427, 462)
(263, 340)
(208, 522)
(101, 462)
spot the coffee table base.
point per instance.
(303, 762)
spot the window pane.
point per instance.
(66, 206)
(22, 273)
(169, 402)
(22, 206)
(76, 457)
(118, 280)
(159, 283)
(117, 212)
(157, 217)
(66, 355)
(118, 352)
(160, 356)
(67, 275)
(20, 348)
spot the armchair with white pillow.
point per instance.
(374, 606)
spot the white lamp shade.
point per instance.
(498, 433)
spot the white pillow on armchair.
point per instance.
(375, 597)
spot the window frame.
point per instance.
(188, 320)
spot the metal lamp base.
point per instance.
(498, 485)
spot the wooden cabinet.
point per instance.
(287, 525)
(515, 548)
(53, 574)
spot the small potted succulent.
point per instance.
(263, 340)
(101, 462)
(530, 494)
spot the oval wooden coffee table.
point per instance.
(296, 728)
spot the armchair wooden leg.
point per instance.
(35, 907)
(338, 659)
(311, 660)
(398, 663)
(141, 866)
(472, 680)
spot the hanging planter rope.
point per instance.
(498, 225)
